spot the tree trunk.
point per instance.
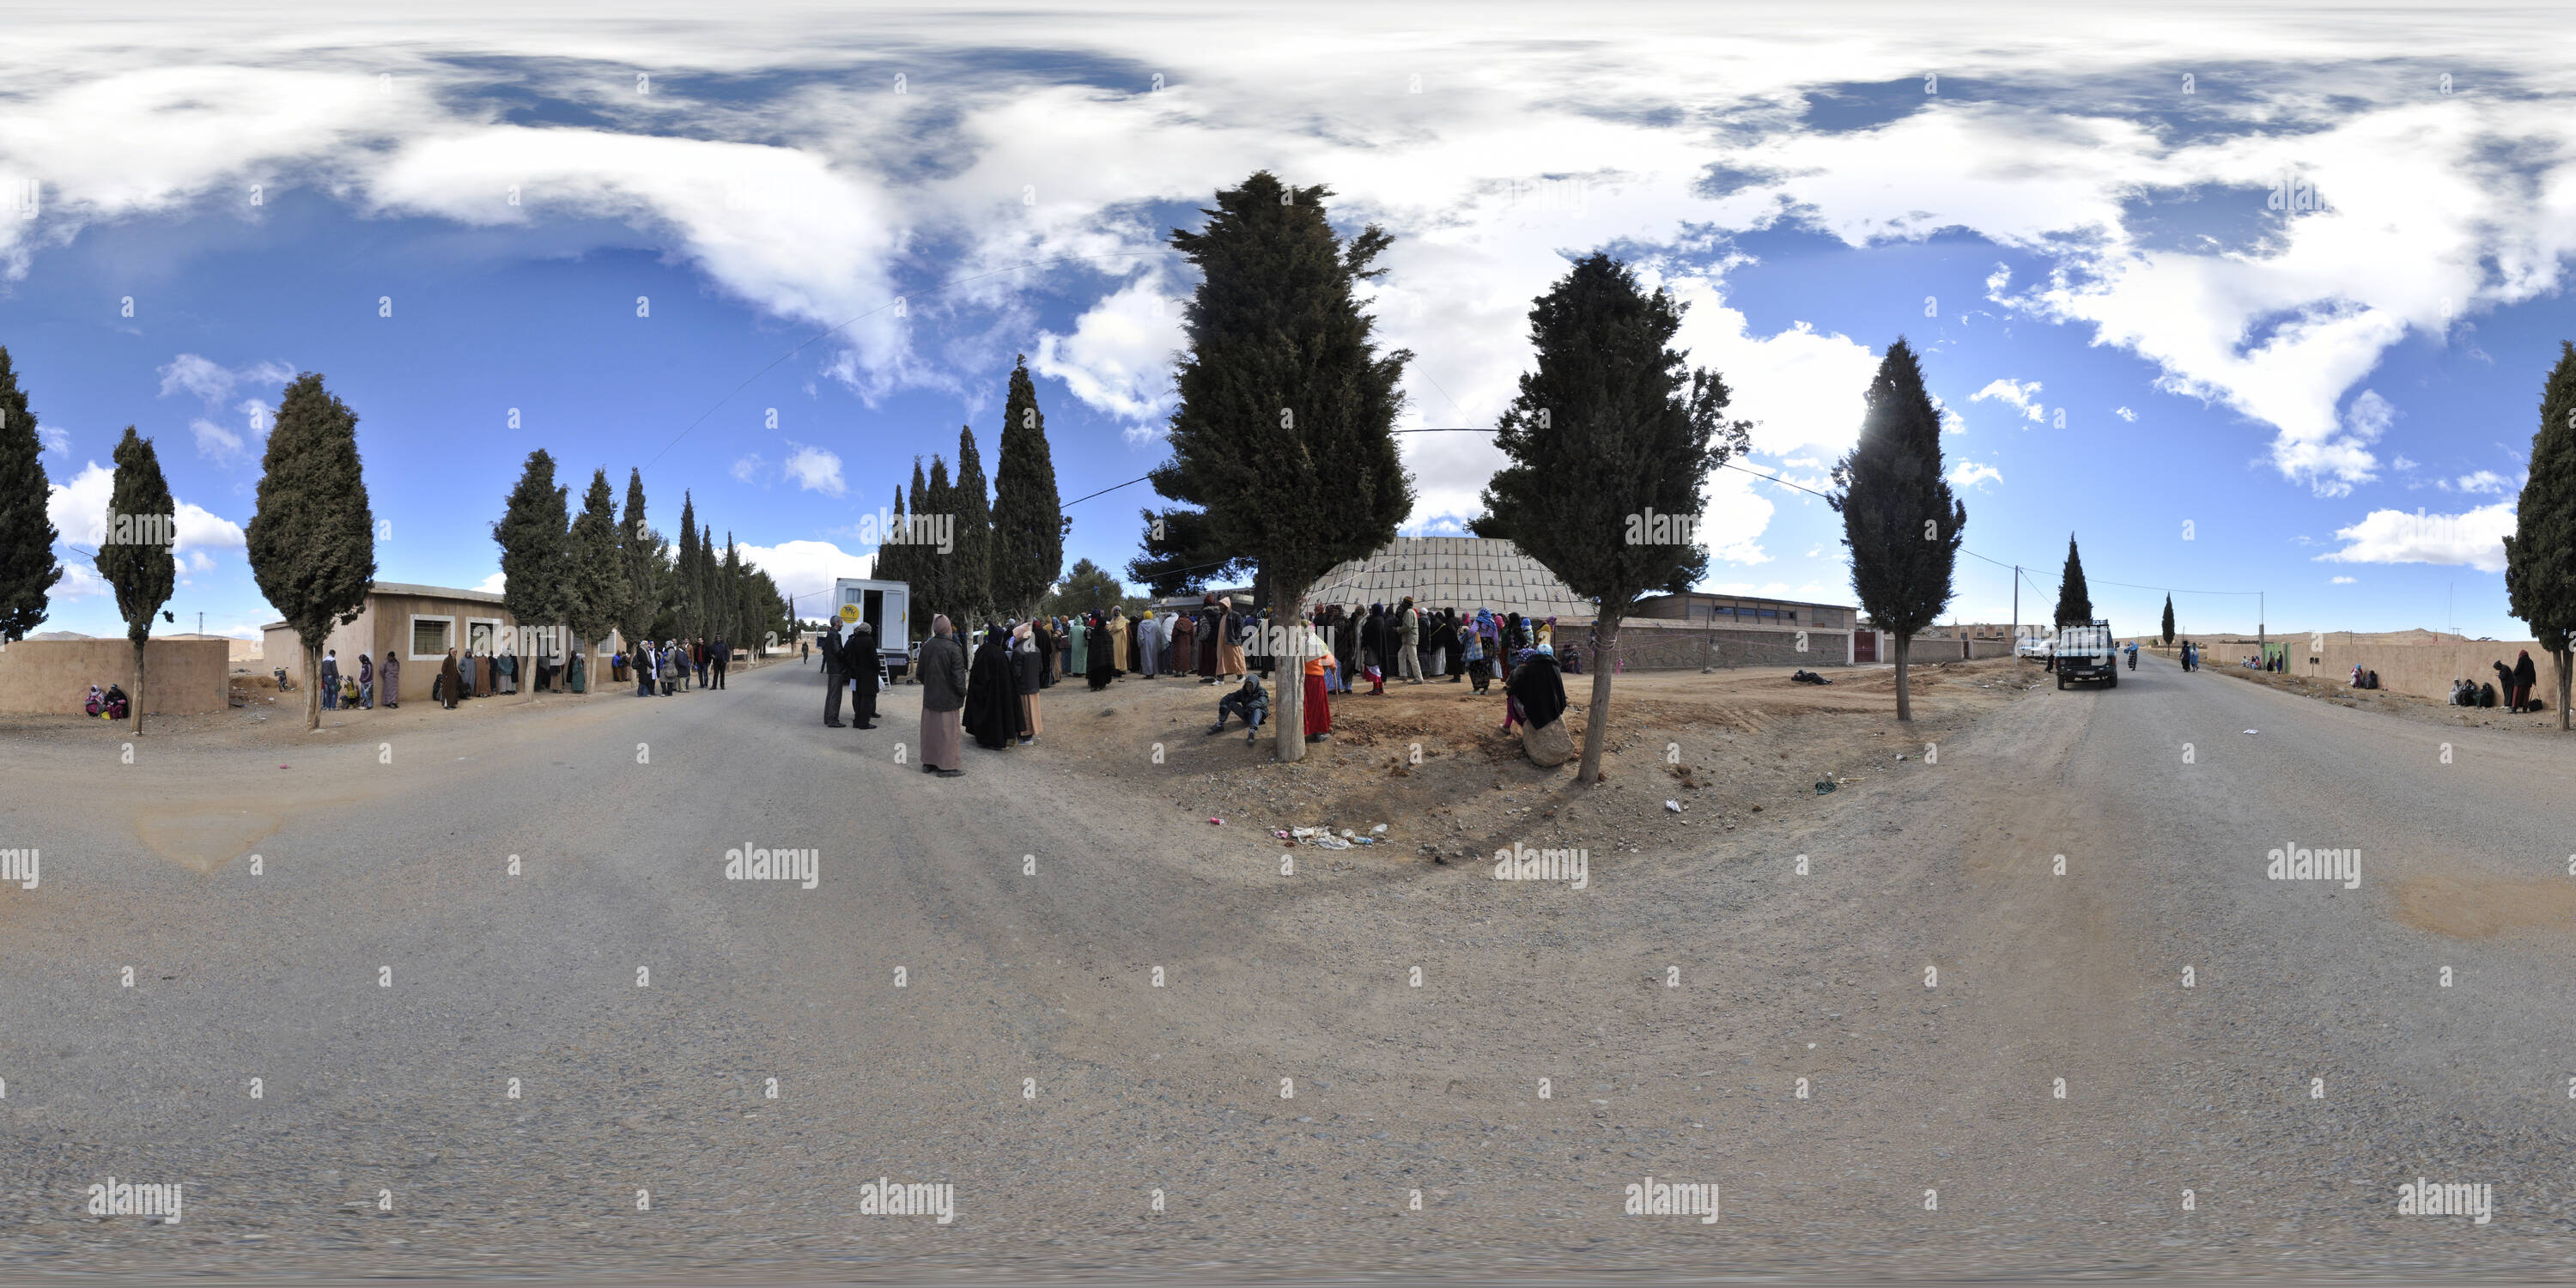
(1596, 718)
(312, 690)
(2564, 657)
(134, 709)
(1904, 699)
(1288, 657)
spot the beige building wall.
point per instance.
(52, 677)
(419, 628)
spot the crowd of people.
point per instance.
(988, 683)
(662, 668)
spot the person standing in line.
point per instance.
(723, 660)
(330, 680)
(640, 665)
(1317, 707)
(834, 678)
(1027, 668)
(943, 701)
(1149, 635)
(1408, 641)
(450, 680)
(1097, 652)
(1229, 640)
(393, 679)
(2524, 676)
(992, 697)
(859, 658)
(366, 682)
(1081, 652)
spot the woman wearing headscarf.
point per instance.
(1317, 704)
(1104, 667)
(1121, 661)
(1373, 641)
(1480, 663)
(1209, 618)
(1026, 668)
(366, 681)
(1042, 635)
(1185, 643)
(1443, 638)
(992, 696)
(1149, 640)
(450, 680)
(943, 698)
(1081, 632)
(393, 679)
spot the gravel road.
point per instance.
(969, 996)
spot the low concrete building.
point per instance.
(420, 623)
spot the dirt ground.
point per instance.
(1726, 749)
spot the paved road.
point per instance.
(1028, 1058)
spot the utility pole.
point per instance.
(2259, 641)
(2016, 626)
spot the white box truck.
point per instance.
(886, 605)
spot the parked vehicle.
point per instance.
(886, 605)
(2087, 654)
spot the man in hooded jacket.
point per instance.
(859, 658)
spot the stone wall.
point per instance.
(1674, 647)
(52, 677)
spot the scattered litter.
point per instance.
(1673, 806)
(1824, 785)
(2253, 731)
(1330, 842)
(1363, 840)
(1379, 830)
(1218, 822)
(1348, 834)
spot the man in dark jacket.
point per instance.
(859, 658)
(721, 659)
(834, 679)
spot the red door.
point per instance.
(1865, 646)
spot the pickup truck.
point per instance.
(2087, 653)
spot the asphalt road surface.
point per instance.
(1133, 1048)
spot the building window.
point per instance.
(483, 636)
(430, 637)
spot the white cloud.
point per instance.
(2401, 464)
(1119, 357)
(2482, 481)
(2474, 539)
(806, 569)
(212, 384)
(1968, 474)
(2125, 414)
(747, 468)
(56, 440)
(815, 469)
(2015, 393)
(2343, 581)
(496, 584)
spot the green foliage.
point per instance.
(2074, 598)
(312, 542)
(135, 556)
(1283, 431)
(1088, 588)
(972, 564)
(28, 569)
(596, 587)
(1028, 519)
(2169, 622)
(1182, 555)
(1610, 440)
(639, 552)
(1900, 521)
(2540, 556)
(531, 533)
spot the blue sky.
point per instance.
(2328, 402)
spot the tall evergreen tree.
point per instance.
(685, 570)
(737, 587)
(312, 543)
(1606, 449)
(1284, 432)
(2168, 624)
(888, 565)
(637, 549)
(596, 589)
(974, 557)
(532, 533)
(1899, 520)
(135, 554)
(1087, 589)
(2074, 598)
(710, 590)
(1182, 555)
(1028, 518)
(28, 569)
(936, 582)
(2540, 556)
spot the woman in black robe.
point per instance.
(1538, 690)
(1044, 634)
(992, 698)
(1096, 652)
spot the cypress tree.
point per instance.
(1028, 519)
(28, 569)
(685, 571)
(2168, 624)
(1284, 432)
(532, 534)
(710, 589)
(891, 552)
(737, 610)
(1899, 520)
(596, 589)
(2540, 556)
(1607, 446)
(2074, 598)
(974, 557)
(637, 551)
(134, 556)
(936, 581)
(312, 543)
